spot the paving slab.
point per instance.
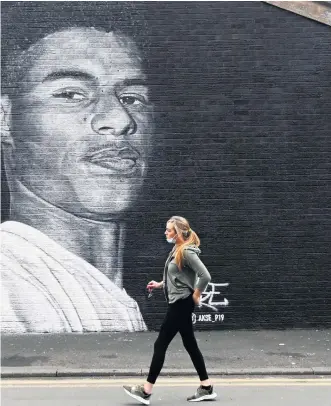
(238, 352)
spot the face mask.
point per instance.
(171, 240)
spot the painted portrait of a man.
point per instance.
(77, 127)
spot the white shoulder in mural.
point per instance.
(77, 129)
(46, 288)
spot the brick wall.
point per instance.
(242, 149)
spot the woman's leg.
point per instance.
(190, 343)
(169, 329)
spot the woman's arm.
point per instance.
(195, 263)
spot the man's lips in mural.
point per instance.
(123, 160)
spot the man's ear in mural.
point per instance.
(6, 137)
(7, 141)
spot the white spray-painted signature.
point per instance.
(207, 296)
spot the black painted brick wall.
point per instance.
(242, 149)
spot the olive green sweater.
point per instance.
(179, 284)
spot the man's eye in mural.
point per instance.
(72, 96)
(133, 100)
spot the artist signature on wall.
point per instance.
(212, 296)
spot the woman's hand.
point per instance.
(196, 297)
(154, 285)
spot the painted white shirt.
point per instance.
(46, 288)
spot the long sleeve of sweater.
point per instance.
(195, 263)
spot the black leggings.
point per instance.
(178, 318)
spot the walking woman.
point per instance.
(185, 278)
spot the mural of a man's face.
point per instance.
(82, 122)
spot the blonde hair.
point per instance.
(182, 227)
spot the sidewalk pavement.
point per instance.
(237, 352)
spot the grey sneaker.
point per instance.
(137, 392)
(202, 394)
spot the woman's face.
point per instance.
(170, 231)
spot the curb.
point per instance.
(7, 372)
